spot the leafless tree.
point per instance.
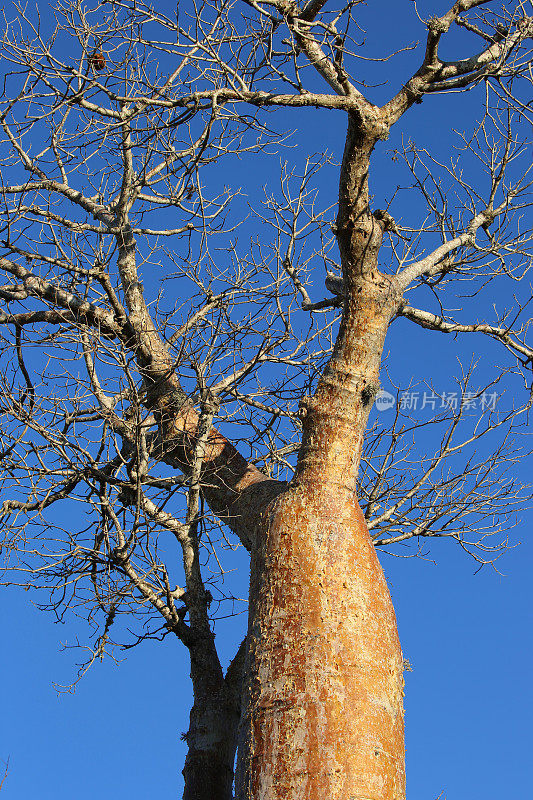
(183, 364)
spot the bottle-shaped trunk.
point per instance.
(322, 709)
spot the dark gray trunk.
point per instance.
(212, 739)
(212, 734)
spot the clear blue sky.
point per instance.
(468, 636)
(468, 700)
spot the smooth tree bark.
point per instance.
(311, 706)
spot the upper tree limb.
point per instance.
(435, 75)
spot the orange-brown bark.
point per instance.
(322, 711)
(324, 697)
(323, 714)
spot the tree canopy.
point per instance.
(174, 251)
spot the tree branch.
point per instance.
(437, 323)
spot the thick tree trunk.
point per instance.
(322, 711)
(323, 703)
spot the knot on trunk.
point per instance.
(387, 223)
(369, 392)
(304, 406)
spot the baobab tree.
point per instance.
(191, 372)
